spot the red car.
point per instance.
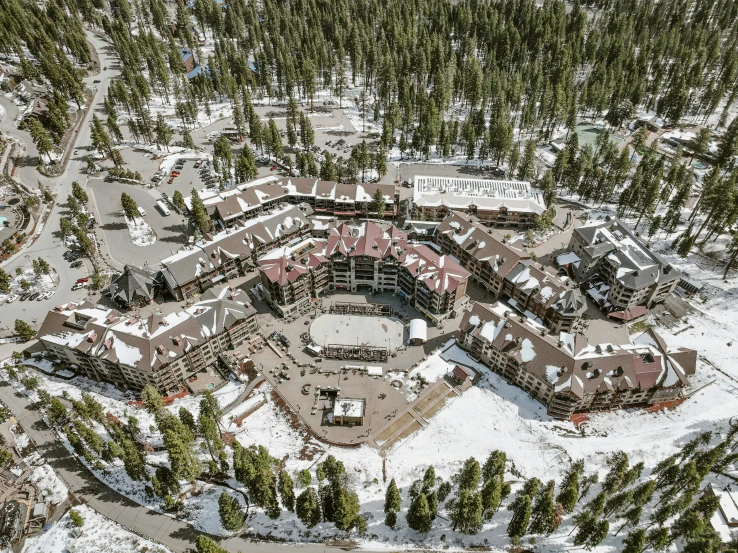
(171, 180)
(80, 280)
(274, 168)
(174, 174)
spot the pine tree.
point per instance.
(41, 137)
(23, 330)
(178, 200)
(378, 204)
(130, 208)
(328, 168)
(520, 518)
(392, 503)
(469, 475)
(198, 213)
(527, 165)
(229, 509)
(206, 545)
(5, 281)
(494, 465)
(286, 491)
(419, 514)
(544, 511)
(491, 497)
(308, 507)
(307, 135)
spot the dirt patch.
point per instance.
(411, 429)
(438, 406)
(394, 427)
(430, 397)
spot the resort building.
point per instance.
(506, 271)
(495, 202)
(232, 251)
(621, 271)
(162, 350)
(363, 258)
(566, 373)
(251, 199)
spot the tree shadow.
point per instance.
(171, 239)
(114, 226)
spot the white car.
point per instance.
(79, 285)
(46, 295)
(11, 298)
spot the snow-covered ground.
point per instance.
(140, 231)
(98, 535)
(49, 484)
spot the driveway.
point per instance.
(112, 230)
(174, 534)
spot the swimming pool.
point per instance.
(699, 165)
(587, 134)
(3, 218)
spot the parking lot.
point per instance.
(171, 231)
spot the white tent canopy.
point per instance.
(418, 331)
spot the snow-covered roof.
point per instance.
(458, 193)
(346, 407)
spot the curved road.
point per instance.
(48, 245)
(175, 534)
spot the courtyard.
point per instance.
(310, 386)
(359, 330)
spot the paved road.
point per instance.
(49, 245)
(174, 534)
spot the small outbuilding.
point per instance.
(348, 411)
(464, 376)
(418, 332)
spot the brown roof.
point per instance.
(480, 244)
(566, 361)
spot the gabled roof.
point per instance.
(132, 284)
(439, 273)
(368, 240)
(145, 343)
(568, 363)
(478, 241)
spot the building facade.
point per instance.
(506, 271)
(233, 251)
(566, 373)
(364, 258)
(505, 203)
(161, 350)
(251, 199)
(622, 271)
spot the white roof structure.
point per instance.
(348, 408)
(374, 371)
(485, 194)
(418, 330)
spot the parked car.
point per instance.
(11, 298)
(84, 279)
(46, 295)
(174, 174)
(274, 167)
(24, 297)
(76, 264)
(79, 285)
(171, 180)
(34, 296)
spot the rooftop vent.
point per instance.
(609, 348)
